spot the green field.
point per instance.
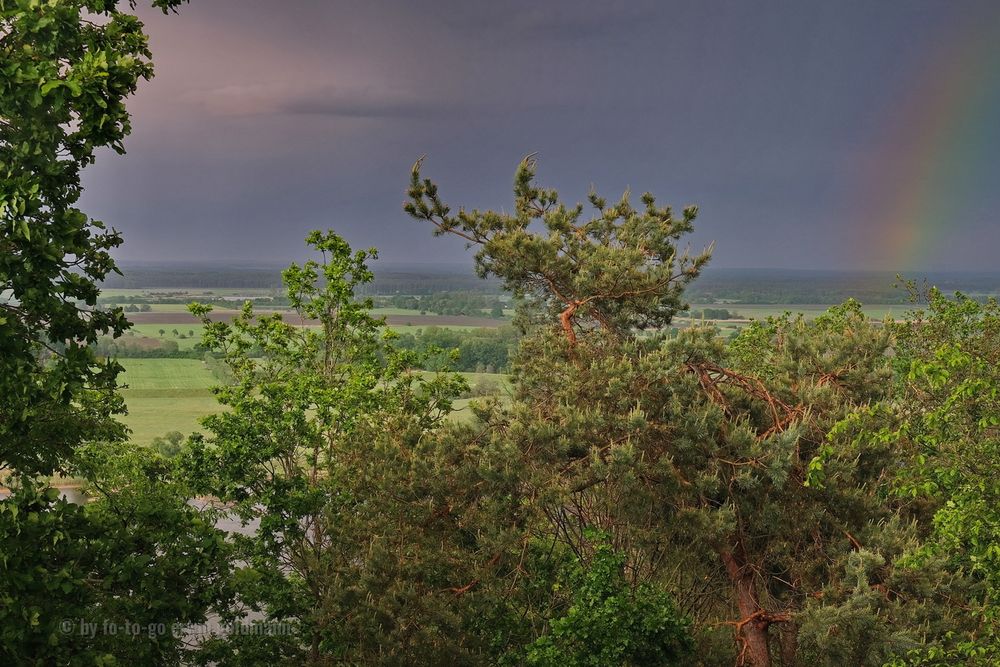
(499, 381)
(160, 374)
(462, 412)
(166, 395)
(173, 394)
(186, 343)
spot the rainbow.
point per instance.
(919, 185)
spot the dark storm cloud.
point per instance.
(285, 98)
(268, 119)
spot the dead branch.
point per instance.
(712, 377)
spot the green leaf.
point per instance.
(49, 86)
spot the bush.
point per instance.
(610, 623)
(169, 445)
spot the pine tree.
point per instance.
(728, 474)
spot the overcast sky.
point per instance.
(803, 130)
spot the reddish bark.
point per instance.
(751, 629)
(566, 318)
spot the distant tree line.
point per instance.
(720, 286)
(817, 287)
(137, 302)
(448, 303)
(210, 276)
(144, 348)
(471, 304)
(472, 351)
(712, 314)
(439, 348)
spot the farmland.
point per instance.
(169, 383)
(166, 395)
(173, 394)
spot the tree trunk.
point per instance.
(751, 629)
(566, 319)
(789, 645)
(314, 657)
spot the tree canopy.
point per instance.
(66, 69)
(815, 492)
(619, 270)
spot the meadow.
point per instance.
(191, 333)
(166, 395)
(173, 394)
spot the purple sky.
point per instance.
(267, 119)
